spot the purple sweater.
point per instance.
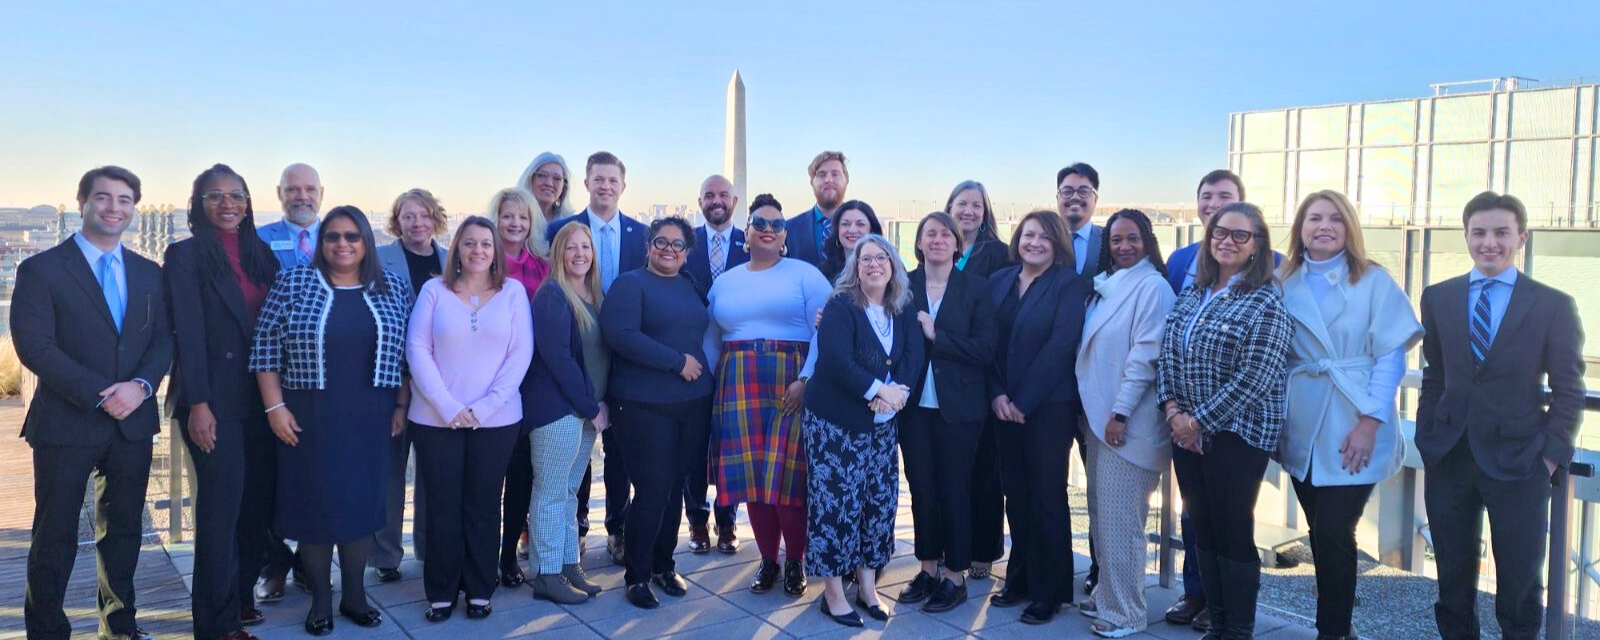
(454, 366)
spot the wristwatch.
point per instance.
(1119, 418)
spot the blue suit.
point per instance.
(285, 240)
(699, 265)
(1180, 261)
(633, 239)
(802, 241)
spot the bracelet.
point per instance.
(274, 408)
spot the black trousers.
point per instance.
(988, 500)
(1219, 489)
(617, 484)
(1333, 513)
(230, 529)
(465, 469)
(663, 442)
(1033, 470)
(583, 498)
(518, 495)
(695, 504)
(1457, 492)
(121, 473)
(939, 457)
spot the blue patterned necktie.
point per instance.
(719, 256)
(827, 224)
(108, 286)
(608, 259)
(1481, 338)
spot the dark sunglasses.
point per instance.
(662, 244)
(773, 225)
(351, 237)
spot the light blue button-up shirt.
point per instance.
(595, 223)
(1499, 296)
(1080, 244)
(118, 266)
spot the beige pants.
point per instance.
(1119, 502)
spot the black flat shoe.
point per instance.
(948, 596)
(369, 619)
(671, 583)
(794, 578)
(251, 616)
(319, 627)
(1008, 597)
(388, 575)
(512, 578)
(479, 611)
(1039, 613)
(641, 596)
(766, 577)
(439, 614)
(851, 619)
(920, 588)
(876, 611)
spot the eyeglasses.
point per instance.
(662, 244)
(774, 225)
(874, 259)
(1240, 236)
(350, 237)
(548, 177)
(1082, 192)
(215, 197)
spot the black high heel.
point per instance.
(319, 627)
(439, 614)
(369, 619)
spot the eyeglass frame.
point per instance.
(216, 197)
(768, 225)
(1082, 192)
(661, 243)
(1219, 233)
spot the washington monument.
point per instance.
(733, 166)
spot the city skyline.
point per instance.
(920, 96)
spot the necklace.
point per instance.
(888, 325)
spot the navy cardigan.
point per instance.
(557, 385)
(850, 358)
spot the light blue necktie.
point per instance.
(608, 259)
(1481, 337)
(108, 286)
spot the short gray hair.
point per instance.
(896, 296)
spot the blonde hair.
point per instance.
(816, 163)
(1355, 249)
(896, 295)
(435, 209)
(536, 243)
(591, 280)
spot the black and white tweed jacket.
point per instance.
(1233, 372)
(289, 332)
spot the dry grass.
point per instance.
(10, 369)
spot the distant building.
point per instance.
(1418, 160)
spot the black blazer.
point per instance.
(212, 331)
(557, 383)
(64, 334)
(1043, 350)
(698, 265)
(1499, 407)
(988, 256)
(801, 240)
(962, 351)
(850, 358)
(633, 239)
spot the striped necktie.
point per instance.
(1481, 338)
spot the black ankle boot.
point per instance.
(1241, 582)
(1211, 581)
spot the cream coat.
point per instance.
(1117, 362)
(1331, 358)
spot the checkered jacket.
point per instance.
(289, 331)
(1232, 375)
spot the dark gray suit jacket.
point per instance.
(1500, 407)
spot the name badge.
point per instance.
(282, 245)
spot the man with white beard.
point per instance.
(295, 236)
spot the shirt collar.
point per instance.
(1085, 231)
(93, 253)
(595, 222)
(1507, 277)
(295, 229)
(727, 234)
(816, 212)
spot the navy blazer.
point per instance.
(698, 265)
(988, 256)
(1042, 353)
(634, 237)
(962, 349)
(1179, 262)
(801, 240)
(212, 329)
(850, 358)
(1500, 406)
(557, 384)
(64, 334)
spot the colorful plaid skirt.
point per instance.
(757, 453)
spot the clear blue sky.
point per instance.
(382, 97)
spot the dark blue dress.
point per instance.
(331, 485)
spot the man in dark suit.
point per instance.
(1487, 435)
(1077, 193)
(719, 246)
(618, 248)
(88, 319)
(830, 178)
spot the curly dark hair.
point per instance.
(1152, 246)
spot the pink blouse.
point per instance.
(529, 269)
(463, 358)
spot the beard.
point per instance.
(717, 215)
(829, 203)
(301, 215)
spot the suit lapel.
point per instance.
(233, 298)
(1455, 317)
(140, 296)
(1031, 298)
(1523, 298)
(78, 267)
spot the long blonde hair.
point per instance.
(1355, 249)
(536, 223)
(591, 280)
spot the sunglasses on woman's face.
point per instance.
(351, 237)
(767, 225)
